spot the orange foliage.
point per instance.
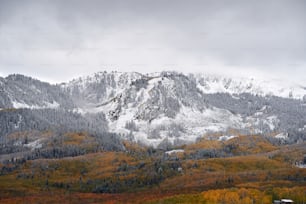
(236, 196)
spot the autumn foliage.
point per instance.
(255, 172)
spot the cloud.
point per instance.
(58, 40)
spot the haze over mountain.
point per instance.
(59, 40)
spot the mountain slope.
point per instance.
(18, 91)
(165, 108)
(170, 107)
(261, 87)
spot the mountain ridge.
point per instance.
(167, 107)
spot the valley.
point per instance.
(258, 168)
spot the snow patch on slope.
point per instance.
(282, 136)
(34, 145)
(216, 84)
(226, 137)
(52, 105)
(187, 126)
(175, 151)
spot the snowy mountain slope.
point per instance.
(260, 87)
(18, 91)
(163, 107)
(175, 108)
(147, 100)
(167, 107)
(99, 88)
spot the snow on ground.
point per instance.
(34, 145)
(175, 151)
(218, 84)
(194, 124)
(210, 120)
(119, 125)
(271, 121)
(282, 136)
(302, 166)
(225, 137)
(52, 105)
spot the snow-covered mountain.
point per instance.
(260, 87)
(18, 91)
(168, 107)
(152, 108)
(171, 107)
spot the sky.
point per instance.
(57, 40)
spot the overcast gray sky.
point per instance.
(58, 40)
